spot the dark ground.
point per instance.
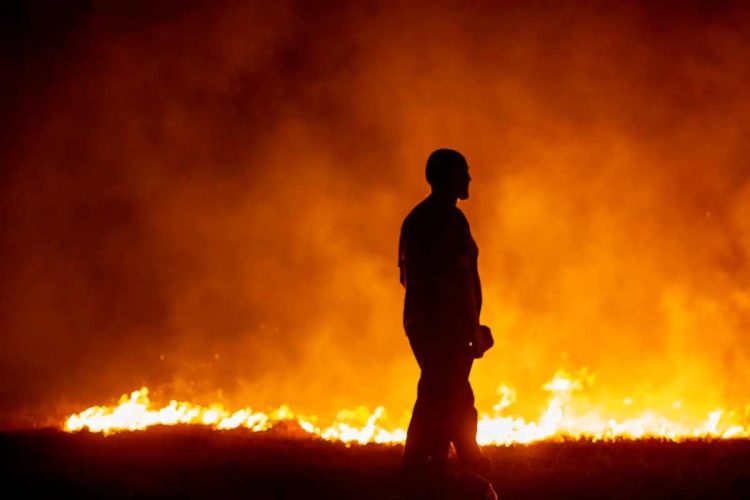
(197, 463)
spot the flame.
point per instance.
(559, 419)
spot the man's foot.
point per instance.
(480, 465)
(472, 486)
(426, 479)
(482, 487)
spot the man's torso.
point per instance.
(438, 261)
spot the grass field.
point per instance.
(198, 463)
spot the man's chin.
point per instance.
(463, 196)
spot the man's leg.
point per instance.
(428, 437)
(464, 418)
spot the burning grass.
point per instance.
(563, 417)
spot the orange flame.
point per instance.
(558, 420)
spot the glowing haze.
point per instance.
(206, 201)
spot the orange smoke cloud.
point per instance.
(206, 201)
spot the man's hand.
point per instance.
(481, 341)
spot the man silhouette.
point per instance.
(438, 264)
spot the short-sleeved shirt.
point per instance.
(438, 261)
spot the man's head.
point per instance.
(448, 173)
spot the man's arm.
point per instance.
(459, 278)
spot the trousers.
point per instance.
(444, 412)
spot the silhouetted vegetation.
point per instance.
(196, 463)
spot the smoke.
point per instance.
(207, 199)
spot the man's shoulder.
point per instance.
(427, 214)
(416, 215)
(459, 216)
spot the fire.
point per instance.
(559, 419)
(134, 412)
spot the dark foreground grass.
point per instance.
(197, 463)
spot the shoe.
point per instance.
(481, 465)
